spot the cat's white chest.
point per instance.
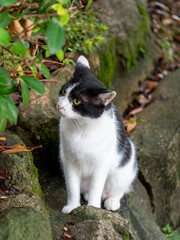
(88, 145)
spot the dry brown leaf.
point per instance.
(148, 86)
(130, 124)
(3, 139)
(141, 99)
(15, 150)
(130, 127)
(135, 111)
(28, 24)
(67, 235)
(167, 22)
(16, 27)
(18, 148)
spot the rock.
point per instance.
(157, 139)
(131, 51)
(128, 21)
(136, 208)
(99, 224)
(40, 120)
(95, 229)
(24, 223)
(21, 199)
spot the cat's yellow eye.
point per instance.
(63, 92)
(76, 101)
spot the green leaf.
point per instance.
(19, 48)
(25, 92)
(89, 3)
(4, 77)
(65, 19)
(33, 69)
(5, 90)
(3, 111)
(60, 55)
(55, 36)
(12, 112)
(34, 83)
(5, 3)
(5, 19)
(45, 71)
(4, 37)
(7, 85)
(39, 57)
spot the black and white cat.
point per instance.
(98, 158)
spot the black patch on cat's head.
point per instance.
(90, 90)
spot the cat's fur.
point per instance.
(98, 158)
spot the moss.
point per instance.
(108, 64)
(135, 47)
(84, 215)
(125, 234)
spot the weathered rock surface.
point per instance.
(135, 48)
(128, 21)
(24, 223)
(40, 120)
(135, 208)
(21, 205)
(158, 143)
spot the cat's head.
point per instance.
(83, 95)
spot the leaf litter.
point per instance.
(164, 22)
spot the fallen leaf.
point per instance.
(160, 5)
(167, 22)
(130, 127)
(148, 86)
(18, 148)
(67, 235)
(3, 139)
(135, 111)
(141, 99)
(130, 124)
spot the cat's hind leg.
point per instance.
(85, 189)
(118, 183)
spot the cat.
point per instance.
(98, 159)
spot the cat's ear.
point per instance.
(82, 60)
(107, 97)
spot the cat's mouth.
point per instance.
(62, 113)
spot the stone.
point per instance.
(135, 215)
(131, 51)
(157, 138)
(136, 208)
(128, 21)
(24, 223)
(102, 224)
(95, 230)
(40, 121)
(23, 213)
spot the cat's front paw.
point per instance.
(68, 208)
(112, 204)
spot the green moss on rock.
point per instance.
(24, 223)
(107, 64)
(136, 45)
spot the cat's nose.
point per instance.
(59, 107)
